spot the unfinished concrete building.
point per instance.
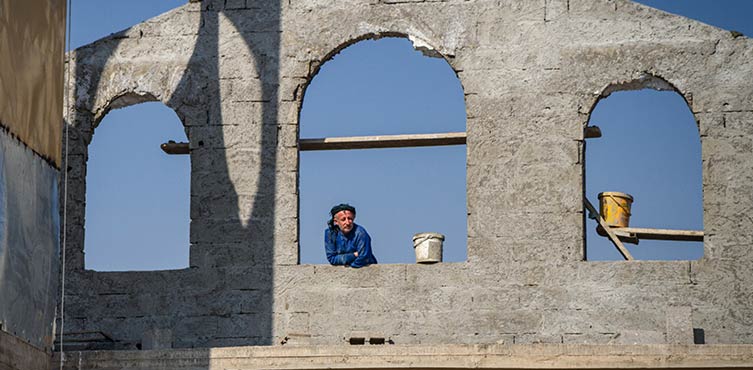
(236, 71)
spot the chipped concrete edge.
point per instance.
(538, 356)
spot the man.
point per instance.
(345, 242)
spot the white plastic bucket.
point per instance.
(428, 247)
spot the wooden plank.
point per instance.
(382, 141)
(660, 234)
(624, 237)
(612, 236)
(591, 132)
(356, 142)
(172, 147)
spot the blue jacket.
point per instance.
(340, 247)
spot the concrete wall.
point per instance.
(235, 72)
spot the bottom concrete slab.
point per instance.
(538, 356)
(16, 354)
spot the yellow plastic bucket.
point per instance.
(614, 208)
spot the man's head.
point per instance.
(343, 216)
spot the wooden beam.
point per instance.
(659, 234)
(624, 237)
(591, 132)
(612, 236)
(172, 147)
(356, 142)
(382, 141)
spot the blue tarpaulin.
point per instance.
(29, 242)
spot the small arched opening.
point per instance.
(137, 196)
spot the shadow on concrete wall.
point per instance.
(255, 318)
(207, 305)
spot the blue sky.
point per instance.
(138, 205)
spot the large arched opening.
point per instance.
(382, 87)
(649, 148)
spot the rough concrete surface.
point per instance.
(235, 73)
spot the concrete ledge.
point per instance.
(16, 354)
(539, 356)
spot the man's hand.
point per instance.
(355, 254)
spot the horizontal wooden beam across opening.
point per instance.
(382, 141)
(659, 234)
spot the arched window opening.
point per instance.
(137, 197)
(384, 87)
(650, 148)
